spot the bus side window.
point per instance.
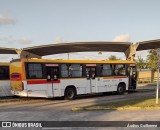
(55, 73)
(75, 70)
(113, 69)
(87, 72)
(35, 71)
(93, 72)
(99, 70)
(83, 70)
(64, 70)
(120, 69)
(106, 70)
(4, 72)
(33, 76)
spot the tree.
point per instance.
(113, 57)
(141, 64)
(152, 60)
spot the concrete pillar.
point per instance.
(131, 51)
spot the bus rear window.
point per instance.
(4, 72)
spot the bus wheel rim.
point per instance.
(120, 89)
(70, 94)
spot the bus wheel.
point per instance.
(120, 89)
(70, 93)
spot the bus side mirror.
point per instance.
(48, 78)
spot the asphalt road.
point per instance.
(29, 109)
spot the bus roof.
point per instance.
(79, 61)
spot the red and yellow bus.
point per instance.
(68, 78)
(5, 88)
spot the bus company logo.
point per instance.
(6, 124)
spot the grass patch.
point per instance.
(144, 102)
(145, 90)
(135, 104)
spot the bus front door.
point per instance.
(52, 74)
(132, 78)
(91, 77)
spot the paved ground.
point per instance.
(60, 110)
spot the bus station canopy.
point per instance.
(146, 45)
(78, 47)
(7, 50)
(43, 50)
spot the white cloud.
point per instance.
(122, 38)
(6, 19)
(24, 40)
(59, 40)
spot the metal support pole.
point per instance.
(158, 64)
(157, 91)
(68, 56)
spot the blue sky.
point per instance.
(25, 23)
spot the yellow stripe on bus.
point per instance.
(114, 77)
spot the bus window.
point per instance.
(52, 73)
(35, 71)
(64, 70)
(4, 72)
(113, 69)
(91, 72)
(106, 70)
(120, 70)
(55, 73)
(75, 70)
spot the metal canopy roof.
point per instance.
(82, 47)
(146, 45)
(78, 47)
(7, 50)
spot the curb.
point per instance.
(118, 108)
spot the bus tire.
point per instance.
(121, 89)
(70, 93)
